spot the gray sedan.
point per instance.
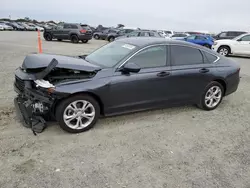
(126, 75)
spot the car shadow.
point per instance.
(241, 57)
(67, 41)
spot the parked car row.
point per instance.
(19, 26)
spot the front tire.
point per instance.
(212, 96)
(48, 36)
(224, 50)
(78, 113)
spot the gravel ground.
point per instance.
(175, 147)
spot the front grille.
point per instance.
(19, 83)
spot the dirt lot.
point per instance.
(175, 147)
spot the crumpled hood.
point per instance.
(34, 61)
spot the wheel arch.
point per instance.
(226, 45)
(95, 96)
(72, 34)
(223, 83)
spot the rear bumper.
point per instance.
(85, 37)
(232, 83)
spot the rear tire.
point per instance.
(212, 96)
(111, 39)
(48, 36)
(70, 111)
(97, 37)
(224, 50)
(85, 41)
(74, 39)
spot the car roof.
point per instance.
(146, 41)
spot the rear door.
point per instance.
(65, 31)
(190, 72)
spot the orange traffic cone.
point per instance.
(39, 42)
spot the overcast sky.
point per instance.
(178, 15)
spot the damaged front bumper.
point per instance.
(32, 107)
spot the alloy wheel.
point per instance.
(213, 96)
(79, 114)
(223, 51)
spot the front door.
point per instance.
(146, 89)
(243, 45)
(57, 31)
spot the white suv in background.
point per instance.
(237, 46)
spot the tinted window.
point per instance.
(232, 34)
(59, 27)
(200, 38)
(151, 57)
(66, 26)
(223, 34)
(246, 38)
(109, 55)
(210, 58)
(74, 26)
(182, 55)
(144, 34)
(86, 27)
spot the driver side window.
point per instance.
(59, 27)
(151, 57)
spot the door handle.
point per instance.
(163, 74)
(204, 70)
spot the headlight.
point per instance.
(44, 83)
(215, 43)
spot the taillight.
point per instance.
(83, 31)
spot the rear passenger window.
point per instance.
(66, 26)
(210, 58)
(74, 27)
(183, 55)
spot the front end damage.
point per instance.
(37, 95)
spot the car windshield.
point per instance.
(110, 54)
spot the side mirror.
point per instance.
(130, 67)
(239, 40)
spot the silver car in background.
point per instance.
(5, 27)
